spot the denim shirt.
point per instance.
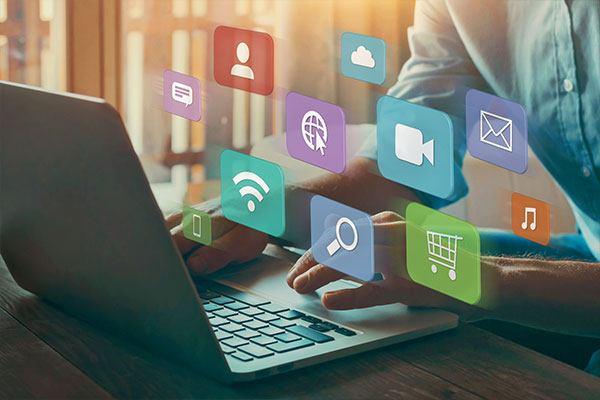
(544, 55)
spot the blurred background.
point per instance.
(118, 49)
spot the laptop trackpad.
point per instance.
(266, 276)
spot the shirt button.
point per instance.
(568, 85)
(586, 172)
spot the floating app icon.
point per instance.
(253, 192)
(442, 253)
(342, 238)
(316, 132)
(181, 95)
(530, 218)
(410, 146)
(363, 57)
(197, 226)
(496, 130)
(407, 135)
(243, 59)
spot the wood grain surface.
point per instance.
(29, 368)
(465, 363)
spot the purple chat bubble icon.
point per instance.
(181, 95)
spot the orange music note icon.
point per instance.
(530, 218)
(532, 211)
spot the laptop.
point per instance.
(81, 229)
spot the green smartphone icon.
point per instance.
(196, 226)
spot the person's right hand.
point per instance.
(232, 243)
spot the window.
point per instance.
(178, 155)
(32, 42)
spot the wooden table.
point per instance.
(45, 353)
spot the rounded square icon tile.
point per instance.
(415, 146)
(342, 238)
(363, 57)
(182, 95)
(253, 192)
(497, 130)
(316, 132)
(196, 225)
(244, 59)
(443, 253)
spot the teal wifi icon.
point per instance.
(248, 190)
(253, 192)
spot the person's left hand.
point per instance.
(307, 275)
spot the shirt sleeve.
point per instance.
(437, 75)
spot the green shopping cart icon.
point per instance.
(442, 253)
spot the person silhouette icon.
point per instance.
(240, 70)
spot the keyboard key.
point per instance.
(287, 337)
(267, 317)
(255, 324)
(252, 311)
(207, 294)
(291, 314)
(282, 347)
(240, 318)
(247, 334)
(231, 327)
(310, 319)
(329, 325)
(234, 342)
(236, 306)
(222, 300)
(282, 323)
(226, 349)
(263, 340)
(256, 351)
(241, 356)
(248, 298)
(271, 331)
(218, 321)
(310, 334)
(345, 332)
(205, 301)
(320, 327)
(225, 313)
(222, 335)
(212, 307)
(273, 308)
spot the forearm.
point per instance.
(563, 296)
(360, 186)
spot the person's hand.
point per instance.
(231, 243)
(307, 275)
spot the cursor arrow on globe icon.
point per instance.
(320, 145)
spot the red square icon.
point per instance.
(530, 218)
(243, 59)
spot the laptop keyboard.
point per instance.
(249, 327)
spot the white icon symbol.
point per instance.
(335, 245)
(242, 53)
(362, 57)
(442, 250)
(182, 93)
(251, 190)
(530, 211)
(495, 130)
(197, 225)
(314, 131)
(410, 147)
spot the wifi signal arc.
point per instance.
(250, 190)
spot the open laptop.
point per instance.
(79, 226)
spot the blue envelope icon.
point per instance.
(496, 130)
